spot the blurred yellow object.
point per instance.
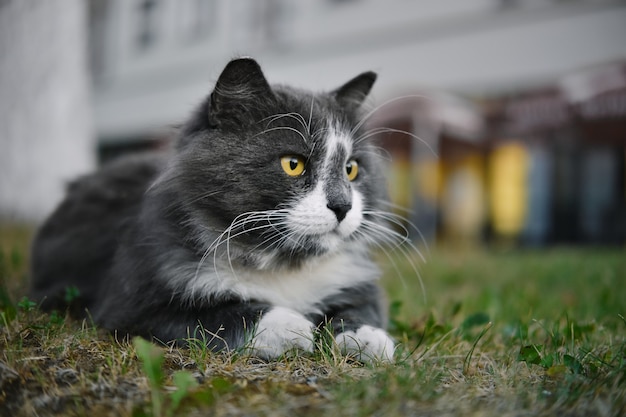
(462, 200)
(399, 183)
(508, 172)
(427, 175)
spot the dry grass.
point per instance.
(500, 334)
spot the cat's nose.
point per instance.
(340, 209)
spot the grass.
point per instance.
(498, 333)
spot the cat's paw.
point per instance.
(367, 344)
(281, 330)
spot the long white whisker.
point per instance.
(372, 132)
(386, 235)
(374, 242)
(272, 129)
(378, 152)
(386, 103)
(293, 115)
(378, 131)
(310, 115)
(397, 206)
(239, 222)
(319, 132)
(413, 227)
(399, 221)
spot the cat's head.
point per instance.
(283, 174)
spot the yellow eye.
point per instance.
(292, 165)
(352, 169)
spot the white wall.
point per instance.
(46, 132)
(469, 46)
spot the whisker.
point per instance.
(399, 221)
(310, 115)
(404, 219)
(320, 132)
(377, 131)
(397, 206)
(387, 253)
(239, 222)
(386, 103)
(378, 152)
(272, 129)
(293, 115)
(389, 236)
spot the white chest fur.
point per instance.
(300, 290)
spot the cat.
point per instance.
(254, 231)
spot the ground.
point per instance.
(481, 332)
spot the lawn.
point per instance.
(493, 333)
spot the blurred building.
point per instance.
(565, 145)
(46, 129)
(518, 151)
(153, 60)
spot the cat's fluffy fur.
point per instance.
(215, 237)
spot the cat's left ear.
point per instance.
(353, 93)
(240, 90)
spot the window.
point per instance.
(147, 24)
(196, 18)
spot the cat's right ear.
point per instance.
(352, 94)
(240, 90)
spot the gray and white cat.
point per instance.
(255, 229)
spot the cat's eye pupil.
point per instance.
(293, 164)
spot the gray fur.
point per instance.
(144, 239)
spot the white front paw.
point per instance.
(280, 330)
(367, 344)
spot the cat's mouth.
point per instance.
(325, 238)
(333, 228)
(327, 242)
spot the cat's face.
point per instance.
(280, 175)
